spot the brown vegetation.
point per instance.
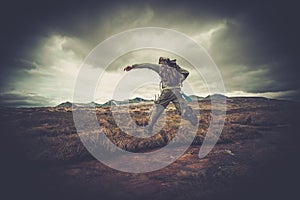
(255, 130)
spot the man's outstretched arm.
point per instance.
(154, 67)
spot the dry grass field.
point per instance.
(255, 156)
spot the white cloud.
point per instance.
(54, 69)
(204, 38)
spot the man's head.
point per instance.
(163, 60)
(167, 61)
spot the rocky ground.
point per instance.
(255, 157)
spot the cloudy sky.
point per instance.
(255, 46)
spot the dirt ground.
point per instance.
(256, 156)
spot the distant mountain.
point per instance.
(215, 96)
(108, 103)
(92, 104)
(69, 104)
(139, 100)
(112, 102)
(64, 105)
(135, 100)
(196, 98)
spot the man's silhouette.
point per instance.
(172, 77)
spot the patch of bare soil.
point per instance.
(255, 157)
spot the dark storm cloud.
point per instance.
(23, 100)
(278, 38)
(264, 37)
(25, 22)
(258, 46)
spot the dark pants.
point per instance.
(171, 95)
(174, 96)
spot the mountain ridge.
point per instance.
(140, 100)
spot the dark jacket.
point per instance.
(156, 68)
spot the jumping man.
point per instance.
(172, 77)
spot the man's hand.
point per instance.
(128, 68)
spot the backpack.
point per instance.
(170, 75)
